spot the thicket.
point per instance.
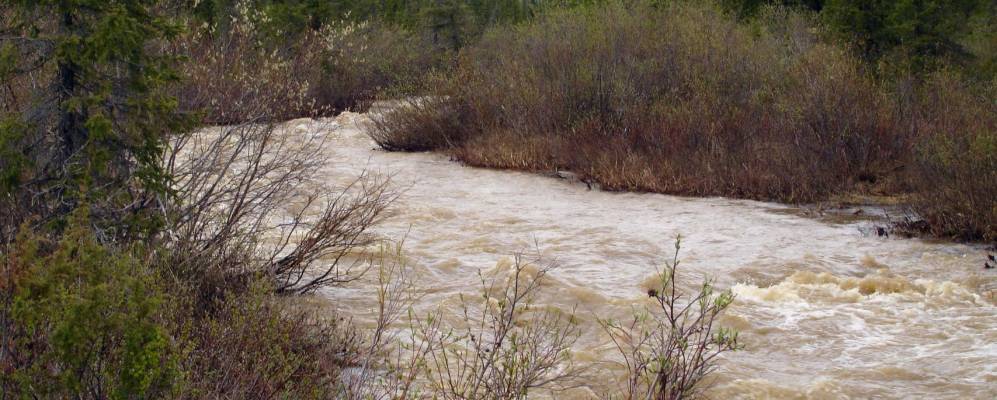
(319, 68)
(142, 169)
(325, 57)
(899, 37)
(142, 166)
(442, 19)
(132, 262)
(678, 97)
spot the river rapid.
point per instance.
(825, 309)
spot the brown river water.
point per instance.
(825, 309)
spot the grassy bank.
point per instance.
(683, 99)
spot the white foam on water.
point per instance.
(826, 310)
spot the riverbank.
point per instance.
(655, 102)
(824, 308)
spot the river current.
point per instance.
(826, 309)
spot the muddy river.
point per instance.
(826, 309)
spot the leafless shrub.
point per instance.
(366, 60)
(236, 186)
(682, 99)
(249, 217)
(229, 70)
(669, 350)
(419, 124)
(389, 363)
(343, 65)
(500, 348)
(504, 348)
(954, 168)
(676, 100)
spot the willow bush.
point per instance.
(680, 98)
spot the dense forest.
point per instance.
(130, 269)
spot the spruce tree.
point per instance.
(94, 130)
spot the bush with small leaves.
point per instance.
(669, 348)
(81, 320)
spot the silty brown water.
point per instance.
(825, 310)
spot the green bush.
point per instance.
(82, 319)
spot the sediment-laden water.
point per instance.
(826, 310)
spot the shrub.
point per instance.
(162, 284)
(80, 320)
(338, 66)
(362, 61)
(668, 350)
(259, 346)
(682, 99)
(954, 170)
(676, 100)
(501, 348)
(420, 124)
(232, 182)
(227, 71)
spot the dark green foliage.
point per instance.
(751, 8)
(82, 322)
(925, 32)
(12, 162)
(96, 135)
(449, 23)
(81, 163)
(904, 36)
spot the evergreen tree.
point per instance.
(94, 133)
(449, 21)
(916, 33)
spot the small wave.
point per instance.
(805, 286)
